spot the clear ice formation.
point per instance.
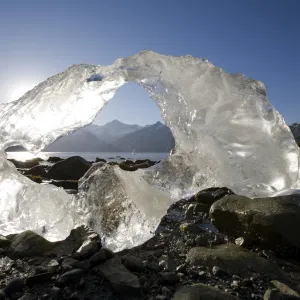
(226, 132)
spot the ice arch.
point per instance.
(226, 133)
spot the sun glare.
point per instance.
(18, 91)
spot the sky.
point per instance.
(259, 38)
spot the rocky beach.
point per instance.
(212, 245)
(149, 150)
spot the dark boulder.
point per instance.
(36, 171)
(14, 286)
(72, 168)
(28, 244)
(54, 159)
(210, 195)
(87, 249)
(101, 256)
(233, 259)
(133, 263)
(70, 277)
(66, 184)
(271, 222)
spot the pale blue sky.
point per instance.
(258, 38)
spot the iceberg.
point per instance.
(226, 134)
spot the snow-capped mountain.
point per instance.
(114, 136)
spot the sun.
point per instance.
(18, 90)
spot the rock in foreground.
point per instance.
(176, 262)
(72, 168)
(271, 222)
(124, 283)
(234, 259)
(201, 291)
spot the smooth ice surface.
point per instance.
(226, 133)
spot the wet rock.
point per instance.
(202, 274)
(121, 279)
(201, 208)
(191, 228)
(170, 277)
(244, 242)
(217, 271)
(193, 273)
(210, 195)
(201, 291)
(36, 171)
(181, 268)
(53, 265)
(233, 258)
(16, 285)
(202, 240)
(167, 263)
(235, 284)
(87, 249)
(267, 221)
(98, 257)
(69, 264)
(153, 266)
(158, 253)
(28, 244)
(54, 159)
(133, 263)
(70, 277)
(126, 167)
(72, 168)
(190, 211)
(101, 256)
(4, 242)
(85, 265)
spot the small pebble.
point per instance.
(217, 271)
(181, 268)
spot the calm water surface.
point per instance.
(91, 156)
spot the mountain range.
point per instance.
(114, 136)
